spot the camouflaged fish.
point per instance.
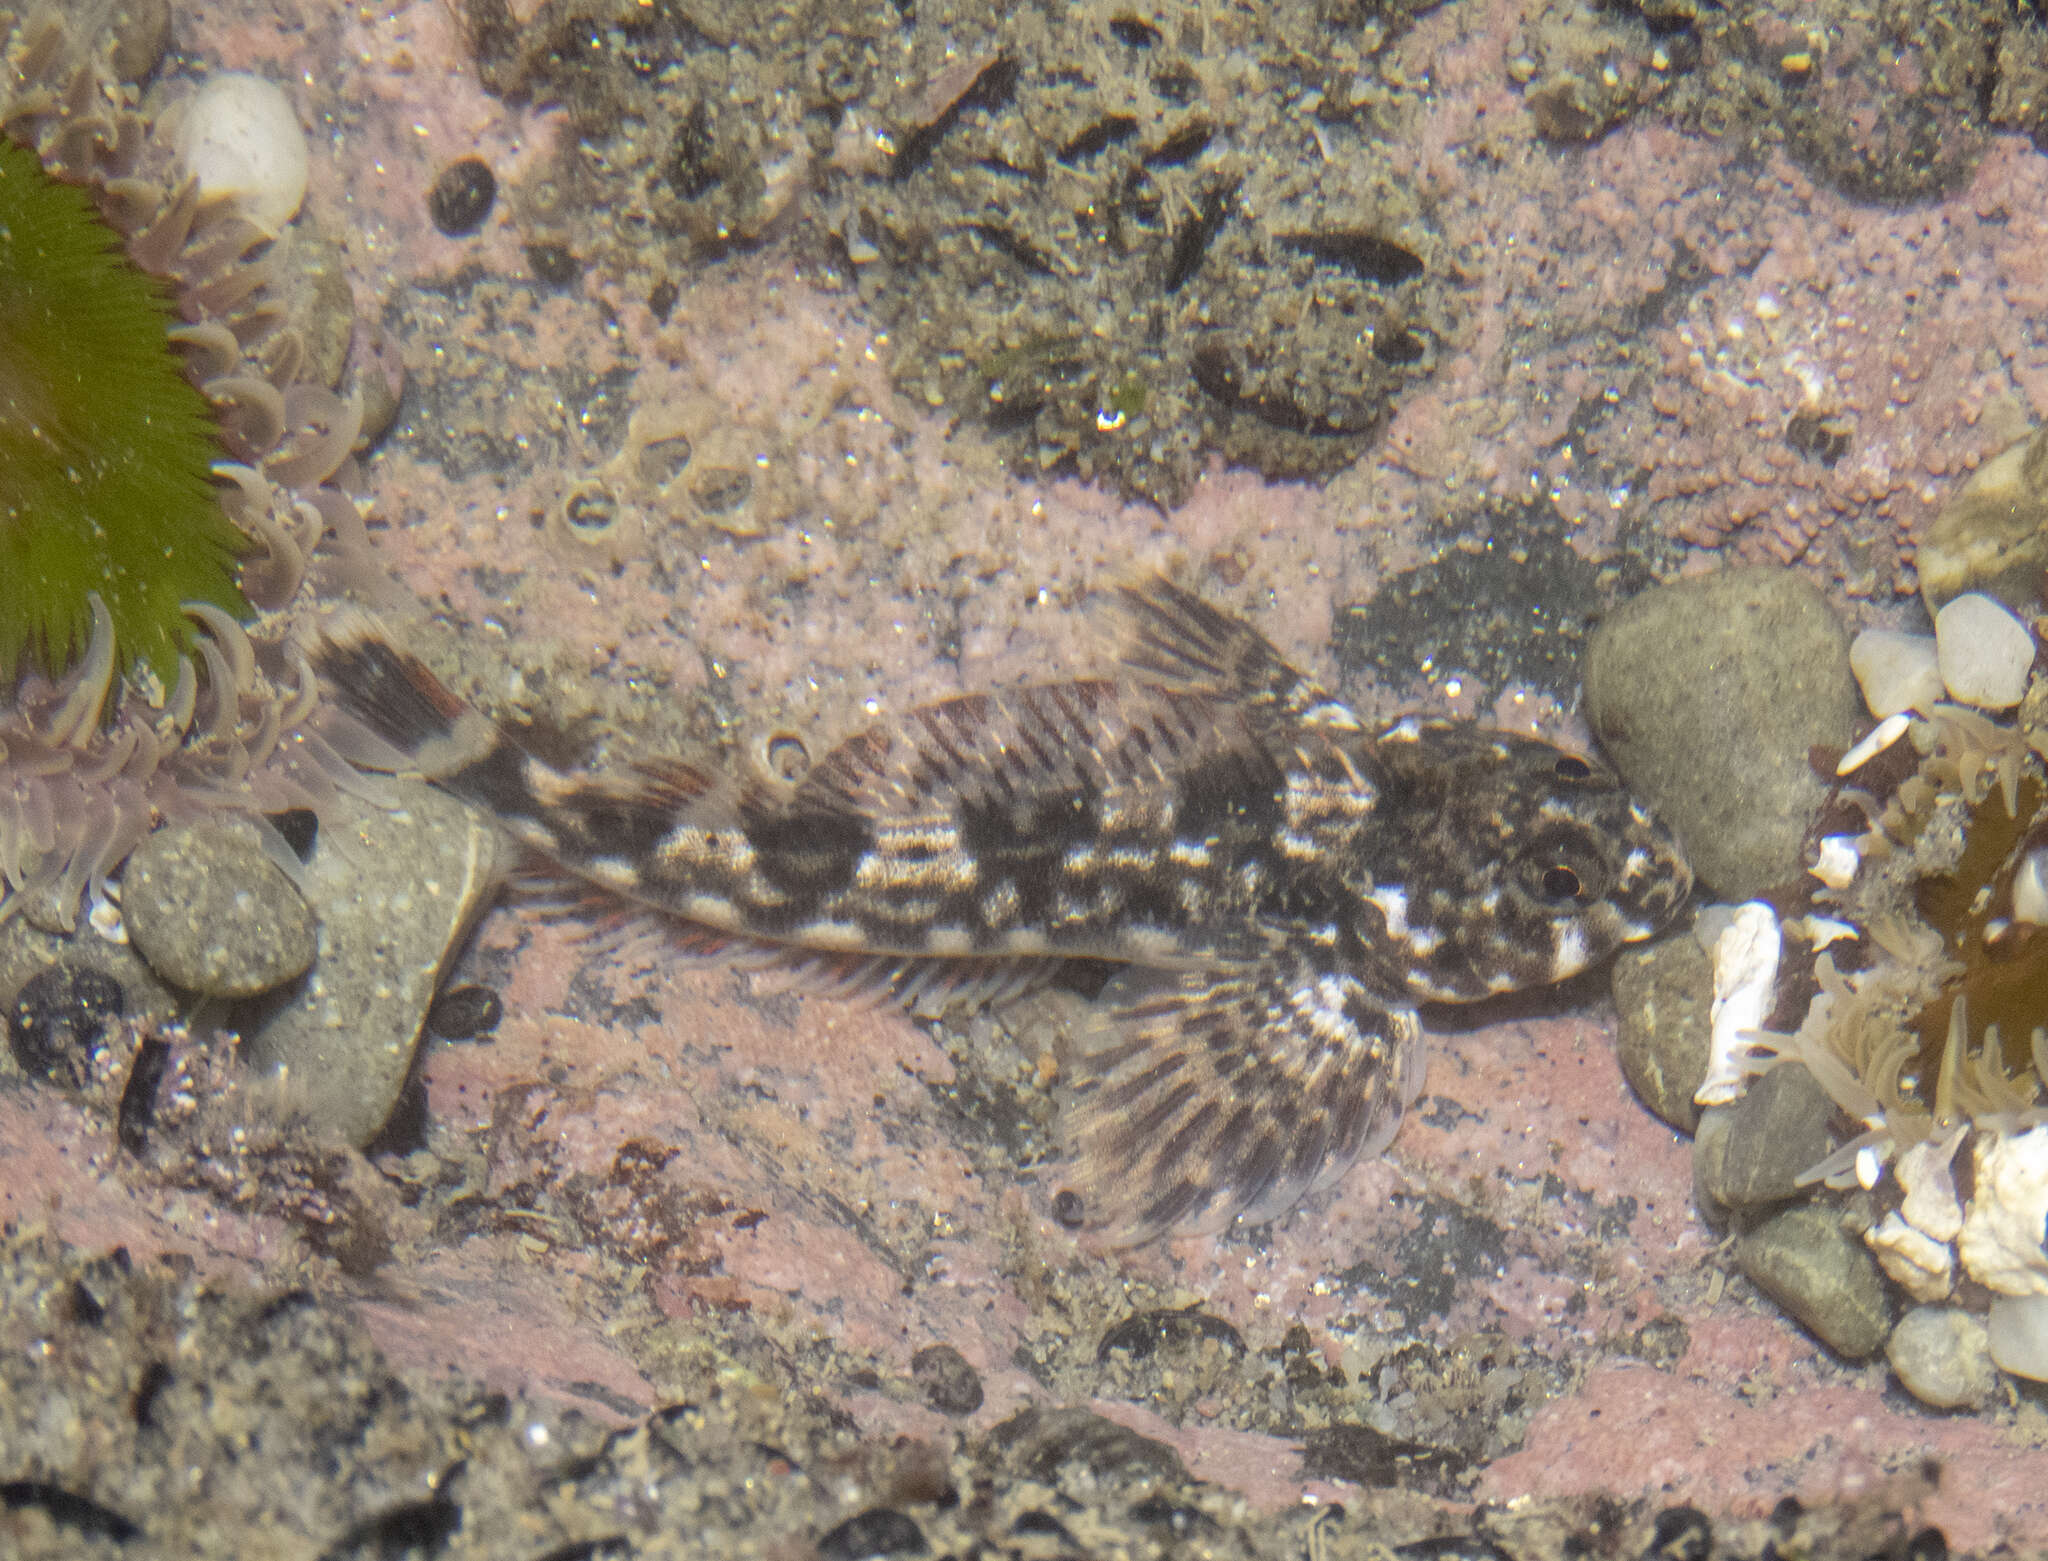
(1281, 884)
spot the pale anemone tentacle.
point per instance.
(252, 412)
(74, 721)
(325, 426)
(231, 637)
(211, 349)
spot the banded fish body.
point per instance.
(1279, 883)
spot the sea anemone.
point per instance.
(1945, 1023)
(167, 467)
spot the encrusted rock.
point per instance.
(1709, 694)
(395, 892)
(1664, 994)
(1943, 1357)
(1992, 536)
(212, 914)
(1805, 1261)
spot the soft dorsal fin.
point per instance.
(1042, 740)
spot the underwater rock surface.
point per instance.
(1708, 694)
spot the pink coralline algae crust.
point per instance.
(1911, 333)
(659, 1158)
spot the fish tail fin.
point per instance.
(416, 725)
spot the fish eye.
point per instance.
(1571, 767)
(1560, 873)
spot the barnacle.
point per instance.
(130, 689)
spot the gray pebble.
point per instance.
(1942, 1356)
(1707, 694)
(395, 892)
(1778, 1129)
(950, 1384)
(1709, 1150)
(212, 914)
(1664, 994)
(1804, 1260)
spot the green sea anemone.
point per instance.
(105, 446)
(166, 466)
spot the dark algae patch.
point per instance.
(1120, 243)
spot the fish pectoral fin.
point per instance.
(1207, 1096)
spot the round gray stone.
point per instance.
(1824, 1277)
(1942, 1356)
(1664, 994)
(1708, 695)
(212, 914)
(1778, 1129)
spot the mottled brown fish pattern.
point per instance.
(1279, 883)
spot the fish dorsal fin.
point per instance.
(1090, 735)
(1175, 637)
(1210, 1095)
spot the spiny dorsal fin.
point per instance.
(1184, 642)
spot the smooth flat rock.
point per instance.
(395, 893)
(1776, 1131)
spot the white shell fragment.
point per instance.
(2030, 888)
(1745, 956)
(1931, 1206)
(1837, 861)
(240, 138)
(2002, 1233)
(1923, 1267)
(1879, 738)
(1897, 672)
(1984, 652)
(1821, 931)
(2019, 1335)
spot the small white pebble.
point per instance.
(240, 138)
(1984, 652)
(1896, 671)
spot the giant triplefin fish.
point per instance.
(1280, 884)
